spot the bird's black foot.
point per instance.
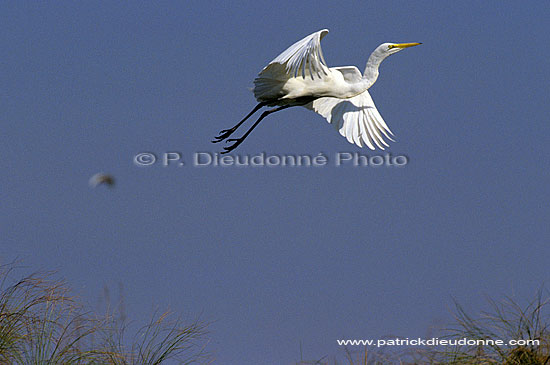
(223, 135)
(237, 141)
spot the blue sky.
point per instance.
(277, 256)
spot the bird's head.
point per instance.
(380, 53)
(386, 49)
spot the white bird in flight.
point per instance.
(300, 77)
(102, 178)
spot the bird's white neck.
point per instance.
(370, 75)
(371, 70)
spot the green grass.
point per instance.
(41, 323)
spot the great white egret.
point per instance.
(300, 77)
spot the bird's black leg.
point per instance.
(238, 141)
(227, 132)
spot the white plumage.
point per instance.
(355, 118)
(300, 77)
(305, 54)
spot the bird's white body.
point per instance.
(332, 84)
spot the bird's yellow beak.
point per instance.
(404, 45)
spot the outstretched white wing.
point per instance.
(304, 58)
(355, 118)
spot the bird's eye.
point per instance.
(391, 46)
